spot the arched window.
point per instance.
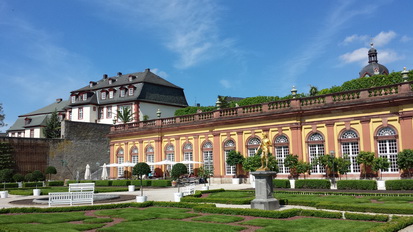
(188, 156)
(134, 154)
(253, 145)
(316, 150)
(281, 150)
(387, 147)
(121, 159)
(208, 157)
(170, 155)
(350, 149)
(229, 145)
(150, 157)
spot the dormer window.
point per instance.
(84, 96)
(91, 84)
(130, 91)
(111, 94)
(73, 99)
(122, 92)
(131, 78)
(27, 121)
(103, 95)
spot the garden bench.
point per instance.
(188, 190)
(79, 193)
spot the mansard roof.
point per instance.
(147, 86)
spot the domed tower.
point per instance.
(373, 68)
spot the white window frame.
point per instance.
(387, 147)
(84, 97)
(229, 169)
(103, 93)
(120, 169)
(73, 99)
(80, 113)
(111, 94)
(130, 90)
(122, 92)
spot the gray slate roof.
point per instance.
(148, 86)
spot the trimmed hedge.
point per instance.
(103, 183)
(121, 182)
(366, 217)
(399, 184)
(9, 185)
(312, 184)
(144, 182)
(161, 183)
(357, 184)
(281, 183)
(32, 184)
(56, 183)
(361, 208)
(396, 224)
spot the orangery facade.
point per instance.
(377, 120)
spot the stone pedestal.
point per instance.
(263, 191)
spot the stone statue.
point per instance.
(265, 148)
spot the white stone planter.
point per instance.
(20, 184)
(235, 180)
(131, 188)
(36, 192)
(252, 180)
(292, 183)
(4, 194)
(381, 185)
(141, 199)
(177, 197)
(205, 188)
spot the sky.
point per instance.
(209, 48)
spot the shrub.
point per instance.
(396, 224)
(32, 184)
(144, 182)
(103, 183)
(18, 177)
(161, 183)
(312, 184)
(367, 217)
(56, 183)
(9, 185)
(29, 177)
(357, 184)
(6, 175)
(38, 175)
(178, 170)
(399, 184)
(281, 183)
(120, 182)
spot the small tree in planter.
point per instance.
(330, 163)
(380, 163)
(291, 162)
(366, 158)
(303, 168)
(405, 161)
(234, 159)
(51, 170)
(139, 170)
(343, 165)
(18, 177)
(177, 171)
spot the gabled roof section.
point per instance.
(27, 122)
(58, 106)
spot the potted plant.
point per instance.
(234, 159)
(50, 170)
(205, 174)
(141, 169)
(178, 170)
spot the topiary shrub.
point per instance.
(141, 169)
(281, 183)
(178, 170)
(312, 184)
(29, 177)
(6, 175)
(18, 177)
(50, 170)
(357, 184)
(38, 175)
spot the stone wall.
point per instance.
(82, 143)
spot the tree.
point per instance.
(405, 160)
(329, 162)
(177, 171)
(343, 165)
(380, 163)
(125, 115)
(313, 90)
(224, 102)
(366, 158)
(38, 175)
(6, 175)
(18, 177)
(303, 167)
(234, 158)
(50, 170)
(252, 163)
(53, 126)
(2, 116)
(141, 169)
(291, 162)
(6, 156)
(29, 177)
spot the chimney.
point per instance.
(119, 74)
(58, 100)
(105, 76)
(147, 70)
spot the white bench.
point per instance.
(82, 187)
(80, 193)
(188, 190)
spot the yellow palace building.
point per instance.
(376, 119)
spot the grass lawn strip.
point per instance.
(61, 227)
(218, 218)
(130, 214)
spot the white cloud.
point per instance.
(225, 83)
(355, 38)
(187, 28)
(405, 38)
(358, 55)
(384, 38)
(159, 73)
(387, 56)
